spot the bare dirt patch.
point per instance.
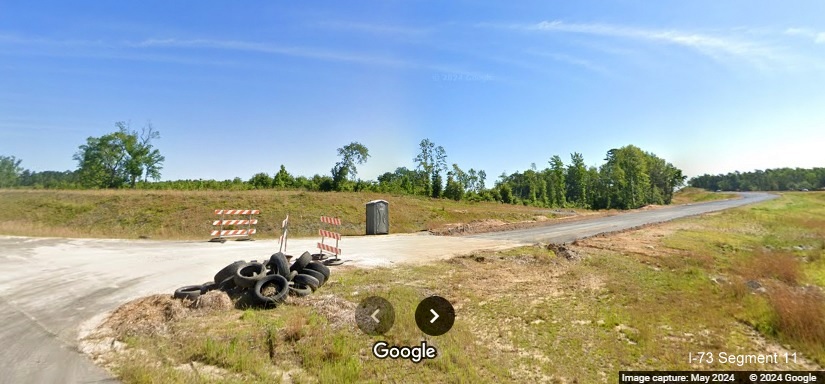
(213, 301)
(146, 316)
(494, 225)
(339, 312)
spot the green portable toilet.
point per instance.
(378, 217)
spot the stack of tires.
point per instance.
(265, 284)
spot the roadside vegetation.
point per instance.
(133, 214)
(780, 179)
(189, 214)
(630, 178)
(744, 281)
(690, 195)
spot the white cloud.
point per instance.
(818, 38)
(707, 44)
(798, 32)
(304, 52)
(378, 29)
(565, 58)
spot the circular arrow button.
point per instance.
(434, 316)
(374, 315)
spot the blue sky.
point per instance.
(238, 89)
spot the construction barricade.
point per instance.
(327, 234)
(229, 227)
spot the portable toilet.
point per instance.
(378, 217)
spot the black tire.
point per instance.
(333, 262)
(208, 286)
(249, 274)
(299, 290)
(228, 271)
(190, 292)
(227, 284)
(292, 275)
(320, 267)
(279, 265)
(317, 275)
(301, 262)
(281, 290)
(312, 282)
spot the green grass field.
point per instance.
(644, 299)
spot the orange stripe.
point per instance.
(333, 235)
(329, 248)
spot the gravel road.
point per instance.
(50, 287)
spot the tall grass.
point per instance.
(800, 315)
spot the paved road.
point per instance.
(567, 232)
(49, 287)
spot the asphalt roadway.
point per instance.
(567, 232)
(51, 287)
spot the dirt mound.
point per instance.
(213, 301)
(339, 312)
(468, 228)
(148, 315)
(562, 250)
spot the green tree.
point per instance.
(118, 158)
(261, 181)
(351, 154)
(506, 193)
(283, 179)
(576, 179)
(425, 164)
(102, 162)
(556, 185)
(454, 190)
(482, 177)
(440, 166)
(10, 171)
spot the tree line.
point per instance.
(780, 179)
(628, 178)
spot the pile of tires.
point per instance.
(264, 284)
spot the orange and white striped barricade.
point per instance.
(327, 234)
(229, 227)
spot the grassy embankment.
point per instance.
(689, 195)
(643, 299)
(188, 214)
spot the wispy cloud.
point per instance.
(709, 45)
(817, 37)
(378, 29)
(303, 52)
(718, 46)
(568, 59)
(154, 49)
